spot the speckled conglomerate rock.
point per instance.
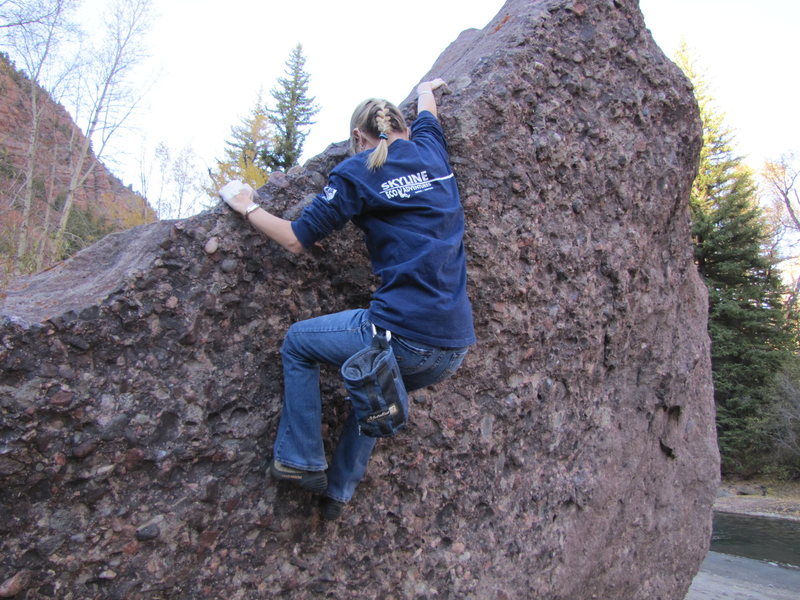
(573, 456)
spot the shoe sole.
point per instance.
(314, 481)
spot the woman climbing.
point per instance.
(398, 188)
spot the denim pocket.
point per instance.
(456, 358)
(411, 356)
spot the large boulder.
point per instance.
(572, 457)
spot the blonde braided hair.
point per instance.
(378, 118)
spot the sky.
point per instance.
(747, 50)
(209, 61)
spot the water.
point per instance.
(761, 538)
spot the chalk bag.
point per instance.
(376, 391)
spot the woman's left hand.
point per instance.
(429, 86)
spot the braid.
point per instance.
(383, 120)
(379, 118)
(383, 123)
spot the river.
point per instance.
(761, 538)
(751, 558)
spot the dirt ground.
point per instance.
(762, 498)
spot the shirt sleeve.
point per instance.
(330, 210)
(427, 129)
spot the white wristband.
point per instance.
(250, 209)
(424, 92)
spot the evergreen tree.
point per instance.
(246, 151)
(733, 254)
(293, 113)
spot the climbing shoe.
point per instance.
(331, 509)
(315, 481)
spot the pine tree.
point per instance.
(293, 113)
(733, 254)
(250, 143)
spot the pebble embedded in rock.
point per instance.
(148, 532)
(211, 245)
(15, 584)
(229, 265)
(86, 448)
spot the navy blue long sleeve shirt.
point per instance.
(410, 212)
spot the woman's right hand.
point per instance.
(237, 195)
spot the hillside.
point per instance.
(103, 204)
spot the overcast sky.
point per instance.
(210, 59)
(748, 50)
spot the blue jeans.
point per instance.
(333, 339)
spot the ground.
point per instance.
(760, 497)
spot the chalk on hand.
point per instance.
(230, 189)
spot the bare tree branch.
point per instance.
(18, 13)
(105, 94)
(35, 45)
(781, 177)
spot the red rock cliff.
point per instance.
(59, 139)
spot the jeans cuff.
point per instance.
(295, 465)
(337, 498)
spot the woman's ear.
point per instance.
(358, 137)
(363, 141)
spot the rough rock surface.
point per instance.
(574, 455)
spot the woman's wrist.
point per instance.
(429, 86)
(253, 206)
